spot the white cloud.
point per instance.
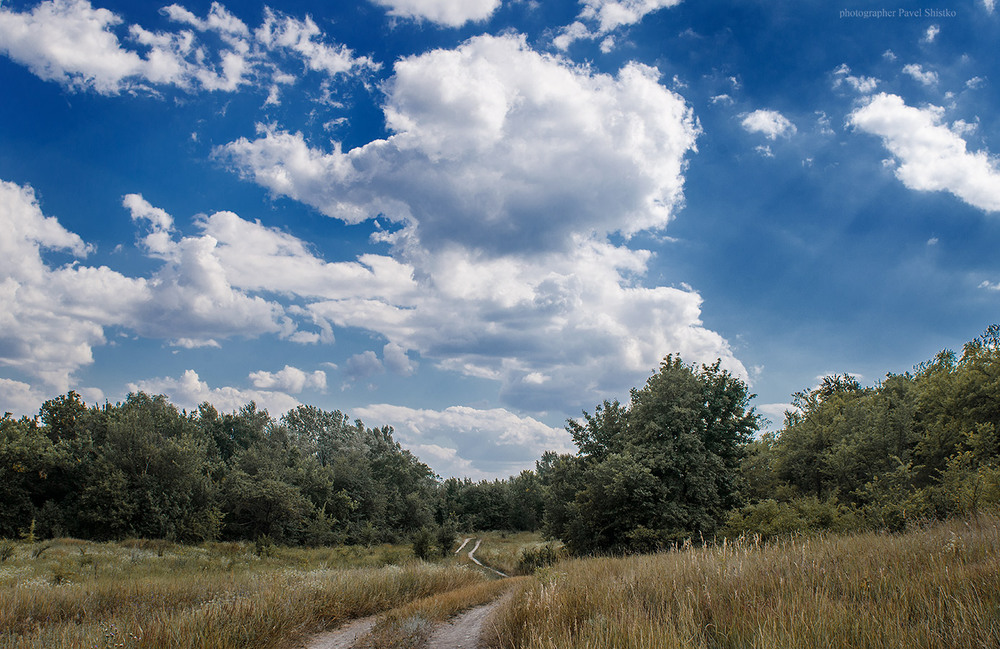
(990, 286)
(975, 82)
(304, 38)
(487, 137)
(930, 156)
(764, 150)
(722, 99)
(462, 441)
(769, 123)
(989, 4)
(189, 391)
(570, 33)
(931, 34)
(395, 359)
(451, 13)
(218, 20)
(599, 18)
(289, 379)
(926, 77)
(612, 14)
(508, 169)
(51, 318)
(20, 399)
(864, 85)
(71, 42)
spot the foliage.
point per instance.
(663, 468)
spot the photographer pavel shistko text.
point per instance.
(898, 13)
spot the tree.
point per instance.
(661, 469)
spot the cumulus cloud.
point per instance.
(931, 34)
(930, 156)
(469, 442)
(450, 13)
(770, 123)
(52, 317)
(507, 170)
(486, 138)
(189, 391)
(289, 379)
(73, 43)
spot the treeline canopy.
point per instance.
(142, 468)
(681, 460)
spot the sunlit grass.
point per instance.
(935, 587)
(156, 594)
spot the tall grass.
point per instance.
(934, 587)
(78, 595)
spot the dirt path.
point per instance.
(472, 555)
(464, 631)
(344, 637)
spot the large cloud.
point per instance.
(509, 169)
(470, 442)
(930, 156)
(52, 317)
(499, 148)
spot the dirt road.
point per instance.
(462, 632)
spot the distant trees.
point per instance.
(143, 468)
(680, 460)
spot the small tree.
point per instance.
(423, 543)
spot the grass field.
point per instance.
(75, 594)
(930, 588)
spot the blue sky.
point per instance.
(471, 219)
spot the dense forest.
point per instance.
(683, 459)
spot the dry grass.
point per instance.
(936, 587)
(78, 595)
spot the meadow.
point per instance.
(931, 587)
(76, 594)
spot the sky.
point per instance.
(473, 219)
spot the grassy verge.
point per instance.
(935, 587)
(152, 594)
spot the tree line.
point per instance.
(682, 459)
(143, 468)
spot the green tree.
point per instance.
(662, 469)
